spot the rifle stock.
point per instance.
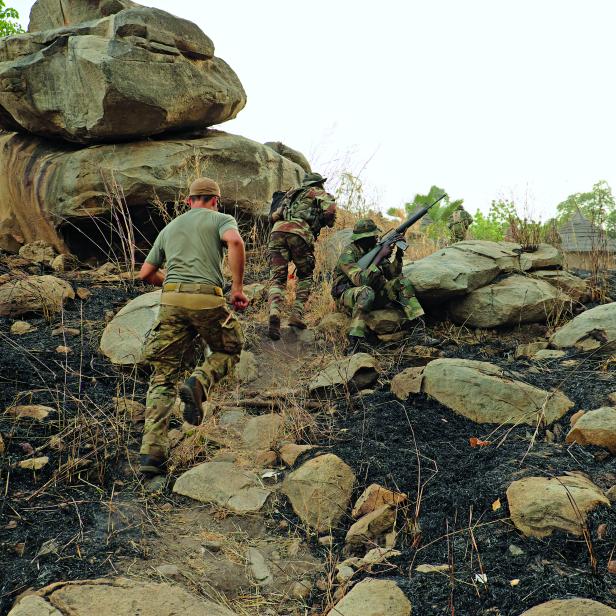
(367, 260)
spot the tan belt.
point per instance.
(192, 287)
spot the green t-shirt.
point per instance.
(192, 248)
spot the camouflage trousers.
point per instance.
(359, 301)
(284, 248)
(457, 232)
(172, 343)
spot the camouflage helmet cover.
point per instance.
(365, 227)
(311, 179)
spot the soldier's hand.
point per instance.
(239, 301)
(386, 251)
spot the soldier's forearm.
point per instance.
(237, 262)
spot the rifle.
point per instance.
(395, 236)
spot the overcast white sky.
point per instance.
(485, 98)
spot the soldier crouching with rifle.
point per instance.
(365, 278)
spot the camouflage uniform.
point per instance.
(458, 224)
(172, 343)
(292, 240)
(372, 288)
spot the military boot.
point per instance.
(295, 321)
(193, 396)
(151, 465)
(274, 327)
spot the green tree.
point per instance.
(438, 214)
(493, 225)
(8, 23)
(598, 205)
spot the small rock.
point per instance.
(108, 269)
(22, 327)
(259, 568)
(334, 324)
(32, 411)
(514, 550)
(65, 331)
(344, 573)
(612, 398)
(530, 349)
(596, 427)
(301, 590)
(247, 368)
(575, 417)
(356, 372)
(169, 571)
(291, 451)
(34, 464)
(611, 494)
(368, 529)
(432, 568)
(266, 459)
(38, 252)
(407, 382)
(130, 408)
(65, 263)
(374, 497)
(262, 432)
(328, 540)
(212, 545)
(373, 598)
(548, 354)
(64, 350)
(379, 555)
(83, 294)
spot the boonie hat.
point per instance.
(310, 179)
(204, 186)
(365, 227)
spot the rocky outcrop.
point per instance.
(592, 331)
(133, 74)
(374, 598)
(483, 393)
(596, 427)
(574, 286)
(47, 184)
(52, 14)
(40, 294)
(540, 505)
(511, 301)
(284, 150)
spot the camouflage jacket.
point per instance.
(349, 274)
(460, 217)
(308, 214)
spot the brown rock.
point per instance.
(529, 349)
(65, 263)
(66, 331)
(570, 607)
(42, 294)
(34, 464)
(2, 447)
(38, 252)
(407, 382)
(266, 458)
(612, 398)
(575, 417)
(18, 328)
(373, 598)
(32, 411)
(83, 294)
(291, 451)
(64, 350)
(596, 427)
(131, 408)
(374, 497)
(356, 372)
(371, 527)
(262, 432)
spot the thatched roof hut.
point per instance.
(580, 235)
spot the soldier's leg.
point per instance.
(359, 301)
(401, 291)
(223, 334)
(302, 255)
(165, 350)
(279, 257)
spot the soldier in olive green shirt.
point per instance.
(192, 305)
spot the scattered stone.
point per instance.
(611, 494)
(356, 372)
(247, 368)
(34, 464)
(570, 607)
(65, 331)
(574, 286)
(529, 349)
(540, 505)
(483, 393)
(40, 294)
(262, 432)
(344, 573)
(266, 459)
(612, 398)
(301, 590)
(124, 337)
(169, 571)
(374, 598)
(386, 321)
(514, 550)
(108, 269)
(83, 293)
(320, 491)
(433, 568)
(130, 408)
(407, 382)
(223, 484)
(376, 556)
(212, 545)
(596, 427)
(32, 411)
(511, 301)
(374, 497)
(65, 263)
(259, 568)
(18, 328)
(115, 597)
(370, 528)
(64, 350)
(593, 330)
(291, 451)
(2, 447)
(547, 354)
(38, 252)
(327, 540)
(334, 324)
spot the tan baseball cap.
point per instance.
(204, 186)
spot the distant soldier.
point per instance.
(358, 291)
(192, 304)
(458, 224)
(302, 213)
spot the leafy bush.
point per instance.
(8, 25)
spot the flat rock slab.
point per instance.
(570, 607)
(483, 393)
(511, 301)
(374, 598)
(355, 372)
(119, 597)
(263, 431)
(540, 505)
(545, 256)
(124, 337)
(320, 491)
(136, 73)
(593, 330)
(574, 286)
(596, 427)
(40, 294)
(225, 485)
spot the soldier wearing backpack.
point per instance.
(298, 216)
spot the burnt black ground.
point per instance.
(386, 442)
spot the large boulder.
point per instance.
(124, 337)
(570, 607)
(596, 427)
(115, 597)
(284, 150)
(540, 505)
(484, 393)
(320, 491)
(592, 331)
(133, 74)
(513, 300)
(373, 598)
(40, 294)
(574, 286)
(45, 185)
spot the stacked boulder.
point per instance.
(81, 91)
(489, 284)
